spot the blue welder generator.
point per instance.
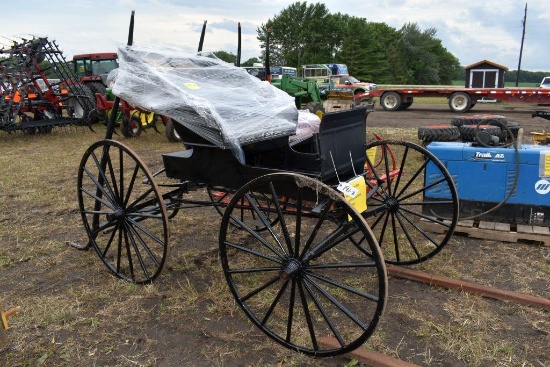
(516, 181)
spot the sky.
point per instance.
(471, 30)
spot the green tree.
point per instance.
(299, 35)
(370, 52)
(226, 56)
(306, 33)
(250, 61)
(426, 60)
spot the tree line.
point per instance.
(305, 33)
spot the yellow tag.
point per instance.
(371, 153)
(191, 86)
(359, 201)
(547, 164)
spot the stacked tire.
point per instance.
(467, 128)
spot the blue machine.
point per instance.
(484, 177)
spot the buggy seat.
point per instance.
(338, 148)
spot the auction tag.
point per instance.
(355, 192)
(348, 190)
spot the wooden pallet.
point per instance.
(498, 231)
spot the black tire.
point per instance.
(438, 133)
(406, 105)
(409, 229)
(130, 127)
(171, 133)
(84, 107)
(311, 272)
(97, 87)
(460, 102)
(123, 211)
(469, 132)
(391, 101)
(514, 127)
(482, 119)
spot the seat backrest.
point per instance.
(341, 142)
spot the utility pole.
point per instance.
(521, 48)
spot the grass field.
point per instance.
(74, 313)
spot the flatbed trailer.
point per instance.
(460, 99)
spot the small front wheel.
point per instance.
(123, 211)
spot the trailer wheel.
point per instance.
(460, 102)
(171, 133)
(391, 101)
(407, 104)
(438, 133)
(315, 272)
(123, 211)
(412, 202)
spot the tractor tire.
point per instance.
(514, 127)
(97, 87)
(438, 133)
(460, 102)
(481, 119)
(469, 132)
(391, 101)
(171, 133)
(88, 116)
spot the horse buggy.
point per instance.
(310, 212)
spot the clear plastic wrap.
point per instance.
(308, 125)
(218, 101)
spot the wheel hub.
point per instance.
(290, 269)
(116, 215)
(392, 204)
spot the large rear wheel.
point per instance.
(123, 211)
(310, 273)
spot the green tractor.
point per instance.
(305, 91)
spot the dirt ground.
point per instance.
(74, 313)
(436, 114)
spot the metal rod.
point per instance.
(114, 111)
(238, 63)
(201, 41)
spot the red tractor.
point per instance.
(92, 69)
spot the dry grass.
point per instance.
(75, 314)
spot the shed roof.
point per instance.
(486, 62)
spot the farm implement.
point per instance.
(38, 91)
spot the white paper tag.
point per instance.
(347, 189)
